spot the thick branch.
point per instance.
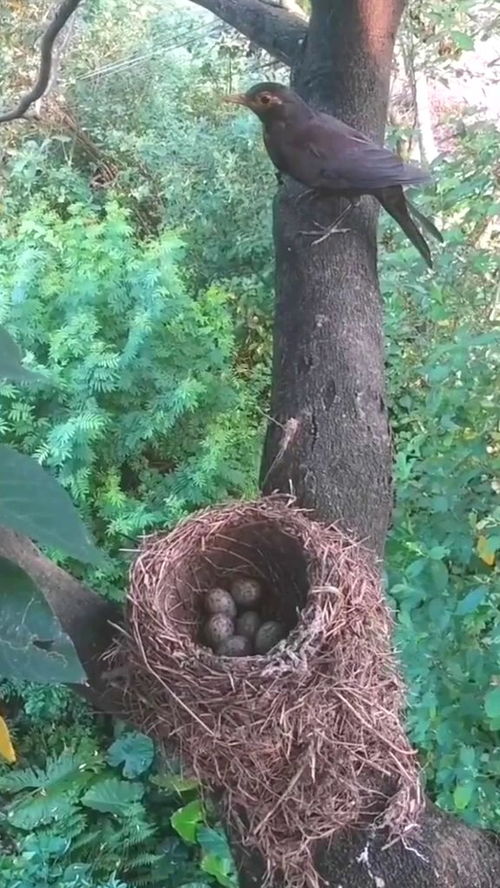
(83, 614)
(64, 11)
(272, 28)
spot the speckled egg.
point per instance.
(219, 601)
(268, 635)
(247, 624)
(218, 628)
(236, 646)
(246, 592)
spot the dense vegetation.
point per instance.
(136, 275)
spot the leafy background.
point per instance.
(136, 275)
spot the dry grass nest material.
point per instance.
(305, 740)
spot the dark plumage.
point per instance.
(330, 157)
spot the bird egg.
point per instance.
(218, 628)
(219, 601)
(246, 592)
(236, 646)
(268, 635)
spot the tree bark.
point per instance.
(328, 372)
(83, 615)
(273, 28)
(447, 855)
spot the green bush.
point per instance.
(97, 817)
(443, 343)
(142, 413)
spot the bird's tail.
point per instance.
(394, 202)
(425, 222)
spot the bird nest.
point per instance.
(304, 740)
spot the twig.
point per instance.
(64, 11)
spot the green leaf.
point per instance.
(438, 373)
(56, 791)
(186, 820)
(463, 41)
(438, 552)
(467, 756)
(134, 750)
(113, 796)
(220, 868)
(34, 504)
(67, 767)
(462, 795)
(33, 646)
(492, 703)
(40, 809)
(10, 361)
(175, 783)
(214, 841)
(471, 601)
(217, 859)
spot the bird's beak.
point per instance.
(236, 99)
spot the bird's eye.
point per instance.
(265, 99)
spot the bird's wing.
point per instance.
(340, 157)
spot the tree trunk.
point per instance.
(328, 373)
(447, 855)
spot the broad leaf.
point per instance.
(220, 868)
(175, 783)
(463, 41)
(217, 859)
(40, 809)
(33, 645)
(67, 768)
(472, 601)
(135, 750)
(214, 841)
(492, 703)
(7, 750)
(10, 361)
(34, 504)
(54, 795)
(462, 795)
(113, 796)
(186, 820)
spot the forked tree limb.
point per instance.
(62, 14)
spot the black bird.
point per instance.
(330, 157)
